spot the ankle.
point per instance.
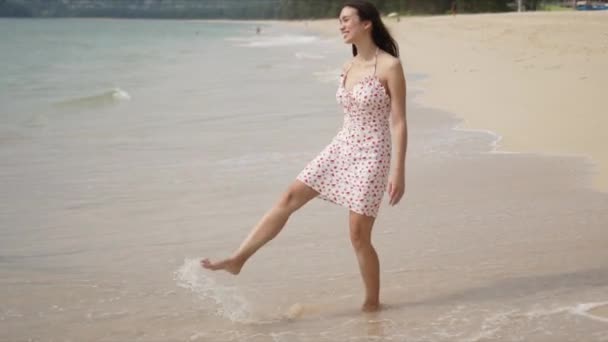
(372, 301)
(238, 259)
(370, 306)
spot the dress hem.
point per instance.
(327, 198)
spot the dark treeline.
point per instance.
(237, 9)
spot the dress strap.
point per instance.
(343, 81)
(376, 60)
(347, 68)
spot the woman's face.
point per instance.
(351, 26)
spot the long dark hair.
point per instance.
(380, 35)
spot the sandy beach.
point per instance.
(537, 79)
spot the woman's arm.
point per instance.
(398, 123)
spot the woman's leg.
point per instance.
(369, 265)
(269, 226)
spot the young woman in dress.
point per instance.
(355, 169)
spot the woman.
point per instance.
(355, 168)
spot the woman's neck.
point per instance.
(366, 50)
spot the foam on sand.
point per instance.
(229, 302)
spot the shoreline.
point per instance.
(529, 60)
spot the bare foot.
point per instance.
(370, 307)
(231, 265)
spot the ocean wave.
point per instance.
(110, 97)
(270, 41)
(304, 55)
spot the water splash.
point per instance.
(229, 302)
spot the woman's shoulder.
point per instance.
(388, 61)
(389, 66)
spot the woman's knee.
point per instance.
(287, 201)
(295, 197)
(360, 231)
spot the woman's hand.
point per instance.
(396, 188)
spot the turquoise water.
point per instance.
(48, 61)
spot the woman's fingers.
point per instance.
(395, 195)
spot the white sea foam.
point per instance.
(305, 55)
(229, 302)
(270, 41)
(112, 96)
(582, 309)
(585, 309)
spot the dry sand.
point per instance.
(536, 79)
